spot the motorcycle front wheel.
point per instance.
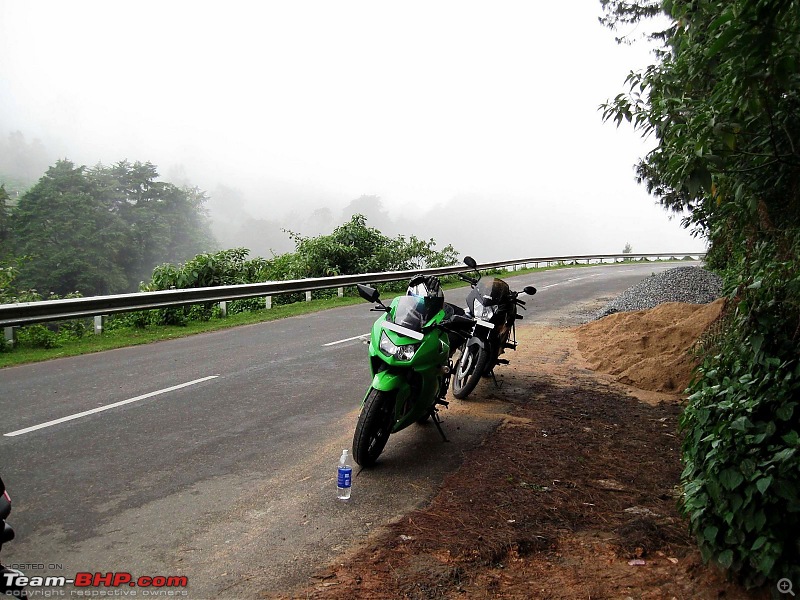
(469, 370)
(374, 426)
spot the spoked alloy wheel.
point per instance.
(469, 370)
(374, 426)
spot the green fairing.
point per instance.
(432, 354)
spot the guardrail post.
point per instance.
(308, 296)
(99, 321)
(267, 302)
(340, 292)
(223, 309)
(10, 336)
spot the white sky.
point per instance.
(307, 103)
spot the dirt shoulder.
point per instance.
(573, 496)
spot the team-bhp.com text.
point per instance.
(98, 580)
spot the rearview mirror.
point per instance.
(367, 293)
(470, 262)
(462, 322)
(530, 290)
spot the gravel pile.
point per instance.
(682, 284)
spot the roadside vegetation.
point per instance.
(722, 103)
(47, 243)
(350, 249)
(35, 343)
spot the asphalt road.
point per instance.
(228, 480)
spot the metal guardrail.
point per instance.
(26, 313)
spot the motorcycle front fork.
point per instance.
(447, 370)
(509, 344)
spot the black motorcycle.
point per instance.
(8, 576)
(493, 305)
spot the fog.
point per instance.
(474, 123)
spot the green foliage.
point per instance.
(356, 248)
(8, 273)
(165, 223)
(723, 103)
(37, 336)
(5, 223)
(226, 267)
(742, 450)
(73, 242)
(351, 248)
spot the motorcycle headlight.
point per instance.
(482, 312)
(389, 348)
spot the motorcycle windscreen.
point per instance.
(413, 312)
(496, 289)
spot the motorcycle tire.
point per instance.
(467, 376)
(374, 426)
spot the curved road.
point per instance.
(228, 480)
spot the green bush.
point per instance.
(351, 248)
(742, 426)
(139, 319)
(37, 336)
(245, 305)
(722, 103)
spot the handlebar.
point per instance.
(457, 324)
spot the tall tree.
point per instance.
(5, 224)
(165, 223)
(71, 239)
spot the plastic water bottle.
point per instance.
(344, 477)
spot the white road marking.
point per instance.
(565, 281)
(579, 278)
(107, 407)
(350, 339)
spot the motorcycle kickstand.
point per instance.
(437, 422)
(497, 384)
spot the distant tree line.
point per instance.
(98, 230)
(114, 229)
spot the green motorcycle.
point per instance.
(409, 354)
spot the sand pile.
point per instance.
(648, 349)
